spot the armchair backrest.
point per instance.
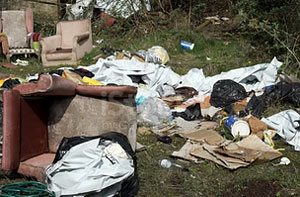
(16, 27)
(69, 29)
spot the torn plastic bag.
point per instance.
(165, 90)
(154, 110)
(287, 125)
(192, 112)
(95, 166)
(283, 91)
(255, 106)
(288, 92)
(226, 92)
(161, 53)
(156, 55)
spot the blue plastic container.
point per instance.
(187, 45)
(230, 121)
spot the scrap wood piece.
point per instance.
(239, 154)
(203, 101)
(229, 161)
(184, 152)
(207, 152)
(138, 58)
(167, 130)
(240, 105)
(257, 126)
(253, 142)
(139, 147)
(244, 154)
(173, 100)
(186, 127)
(97, 57)
(208, 136)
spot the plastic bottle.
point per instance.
(165, 163)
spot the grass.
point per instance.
(206, 178)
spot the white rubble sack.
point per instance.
(252, 78)
(117, 71)
(90, 167)
(286, 124)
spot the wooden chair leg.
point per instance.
(8, 57)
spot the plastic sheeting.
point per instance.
(89, 167)
(122, 8)
(252, 78)
(287, 125)
(118, 71)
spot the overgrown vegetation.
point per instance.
(273, 25)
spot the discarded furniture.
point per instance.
(72, 40)
(37, 115)
(17, 33)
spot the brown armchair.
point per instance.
(37, 115)
(72, 40)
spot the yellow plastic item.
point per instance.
(2, 81)
(268, 135)
(72, 76)
(90, 81)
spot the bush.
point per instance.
(273, 25)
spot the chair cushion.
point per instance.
(35, 166)
(58, 56)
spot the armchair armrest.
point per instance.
(80, 38)
(4, 42)
(50, 44)
(11, 130)
(82, 43)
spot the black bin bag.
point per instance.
(226, 92)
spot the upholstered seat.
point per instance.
(72, 40)
(17, 33)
